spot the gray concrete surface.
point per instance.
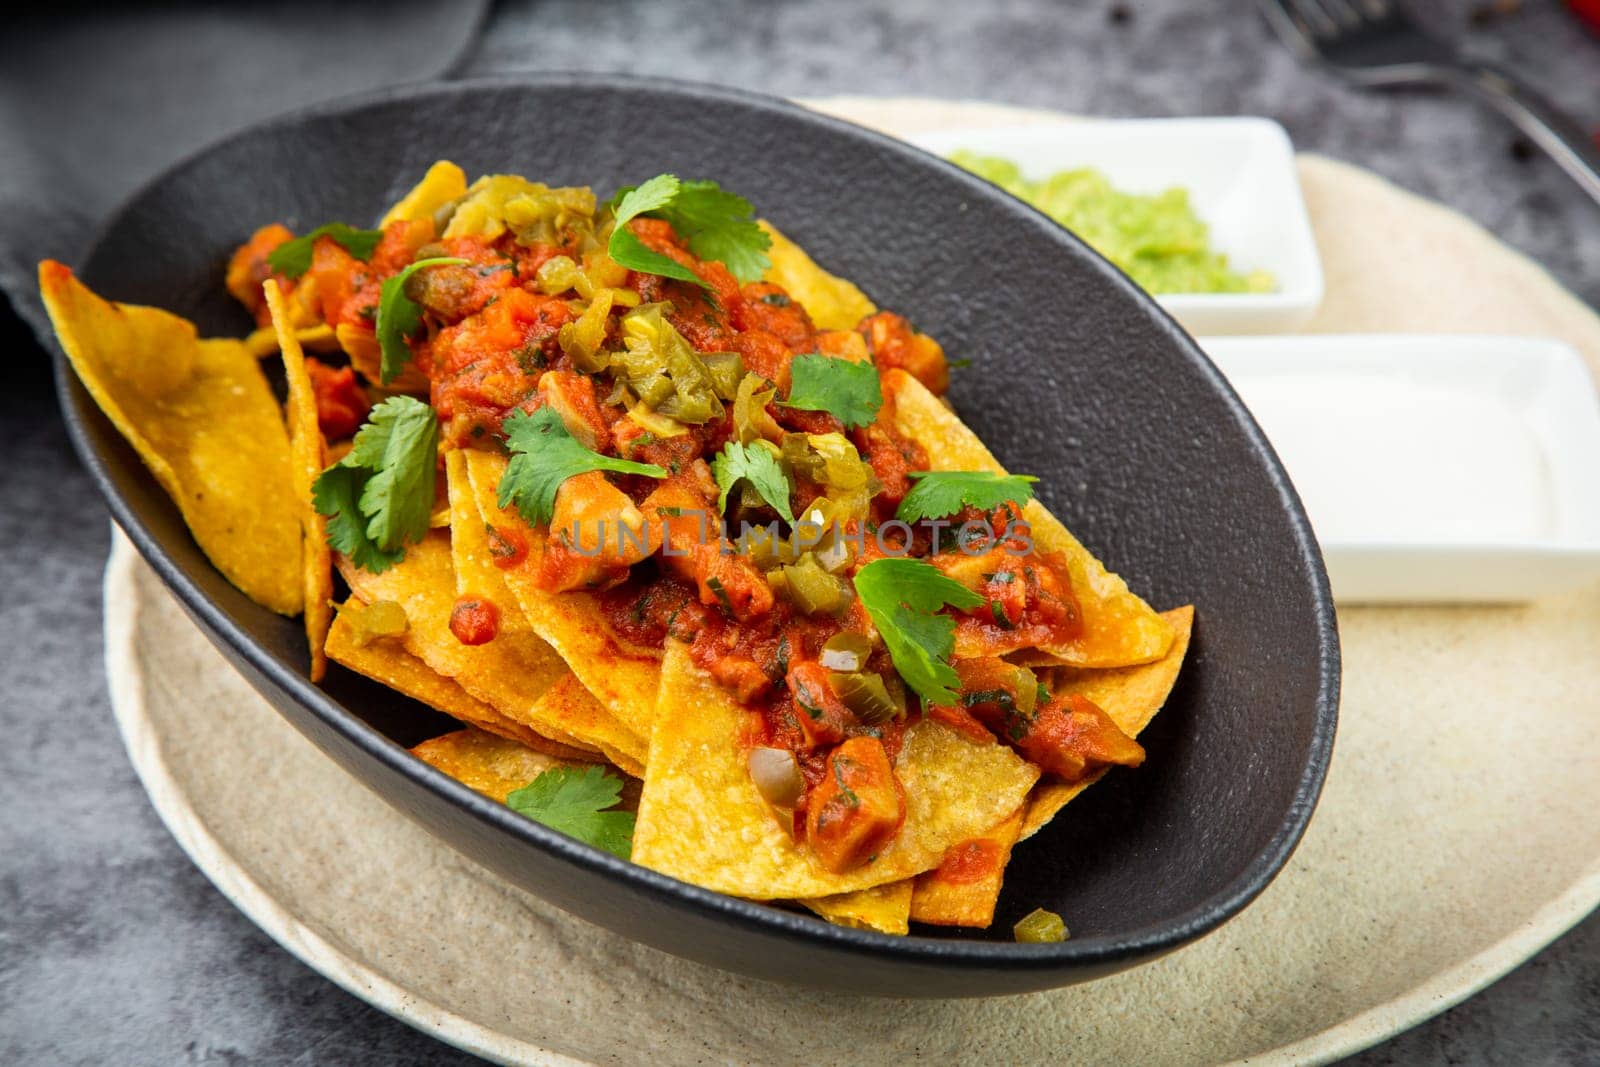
(114, 949)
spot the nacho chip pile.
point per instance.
(519, 401)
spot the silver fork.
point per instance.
(1374, 43)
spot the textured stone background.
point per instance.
(112, 947)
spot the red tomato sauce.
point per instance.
(971, 861)
(341, 402)
(508, 547)
(474, 620)
(494, 342)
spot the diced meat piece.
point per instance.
(857, 808)
(974, 572)
(680, 511)
(596, 533)
(335, 279)
(741, 677)
(1072, 737)
(637, 442)
(732, 582)
(451, 292)
(1028, 601)
(248, 269)
(843, 344)
(571, 395)
(768, 308)
(684, 527)
(765, 354)
(821, 714)
(895, 344)
(1069, 736)
(893, 457)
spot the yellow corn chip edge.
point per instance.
(1119, 629)
(202, 417)
(701, 819)
(307, 456)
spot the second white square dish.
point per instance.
(1434, 468)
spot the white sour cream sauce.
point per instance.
(1381, 461)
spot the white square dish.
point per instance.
(1242, 181)
(1434, 468)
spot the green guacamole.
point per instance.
(1158, 241)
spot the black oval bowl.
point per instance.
(1076, 376)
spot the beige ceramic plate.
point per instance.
(1455, 836)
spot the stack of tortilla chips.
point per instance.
(556, 686)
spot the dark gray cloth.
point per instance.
(95, 101)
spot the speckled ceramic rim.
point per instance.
(1443, 991)
(231, 879)
(1113, 951)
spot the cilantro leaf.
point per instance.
(638, 199)
(626, 248)
(719, 225)
(543, 456)
(379, 497)
(573, 801)
(337, 494)
(757, 465)
(844, 388)
(939, 493)
(903, 597)
(398, 317)
(400, 445)
(293, 257)
(926, 640)
(715, 224)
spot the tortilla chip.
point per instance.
(305, 319)
(963, 889)
(443, 183)
(386, 660)
(567, 700)
(961, 892)
(481, 761)
(492, 765)
(264, 342)
(513, 673)
(360, 343)
(1130, 695)
(950, 895)
(202, 417)
(476, 573)
(832, 302)
(884, 908)
(623, 678)
(497, 767)
(1119, 629)
(307, 456)
(701, 819)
